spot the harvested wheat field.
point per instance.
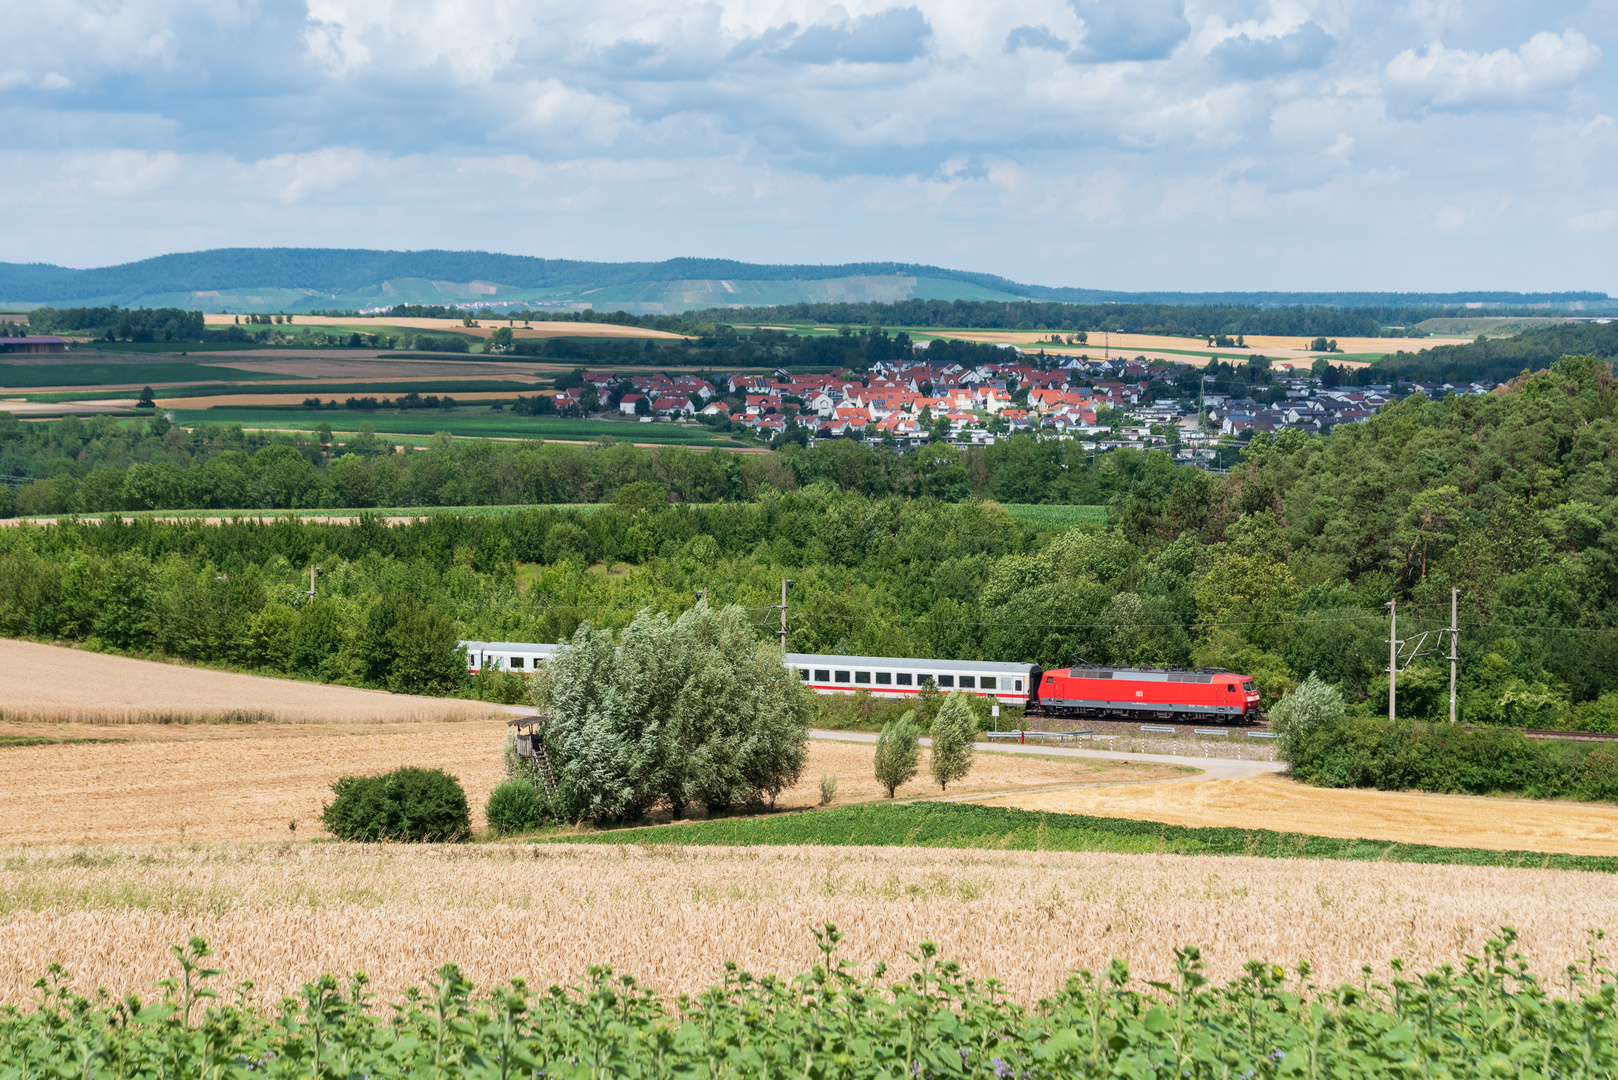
(54, 683)
(280, 914)
(1274, 802)
(158, 783)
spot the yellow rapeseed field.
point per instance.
(279, 914)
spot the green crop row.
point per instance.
(956, 825)
(1493, 1019)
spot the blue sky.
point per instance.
(1171, 144)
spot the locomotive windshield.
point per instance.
(1247, 685)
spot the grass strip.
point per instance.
(46, 740)
(961, 825)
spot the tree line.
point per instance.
(103, 464)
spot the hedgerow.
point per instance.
(1493, 1018)
(1404, 755)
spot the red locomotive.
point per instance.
(1139, 693)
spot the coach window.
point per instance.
(822, 675)
(803, 673)
(516, 661)
(966, 682)
(842, 676)
(946, 680)
(904, 678)
(862, 676)
(884, 678)
(1016, 684)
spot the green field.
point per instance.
(962, 825)
(25, 375)
(1052, 518)
(313, 389)
(467, 422)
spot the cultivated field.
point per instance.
(280, 914)
(1274, 802)
(55, 684)
(157, 783)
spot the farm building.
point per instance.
(33, 345)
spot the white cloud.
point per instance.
(1450, 78)
(1170, 135)
(292, 178)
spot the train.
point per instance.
(1084, 691)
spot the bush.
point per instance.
(897, 753)
(423, 805)
(515, 806)
(1312, 705)
(1406, 755)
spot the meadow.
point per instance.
(23, 376)
(326, 390)
(464, 422)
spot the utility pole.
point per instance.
(784, 583)
(313, 570)
(1393, 655)
(1454, 656)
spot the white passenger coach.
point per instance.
(883, 676)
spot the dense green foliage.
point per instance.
(693, 710)
(410, 804)
(119, 324)
(961, 825)
(1499, 359)
(1404, 755)
(515, 806)
(1492, 1018)
(104, 464)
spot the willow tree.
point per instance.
(694, 710)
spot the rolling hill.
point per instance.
(303, 279)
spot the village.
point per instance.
(1105, 403)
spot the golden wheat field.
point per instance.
(50, 682)
(212, 782)
(280, 914)
(1411, 817)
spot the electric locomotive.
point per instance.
(1209, 694)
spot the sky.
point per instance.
(1116, 144)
